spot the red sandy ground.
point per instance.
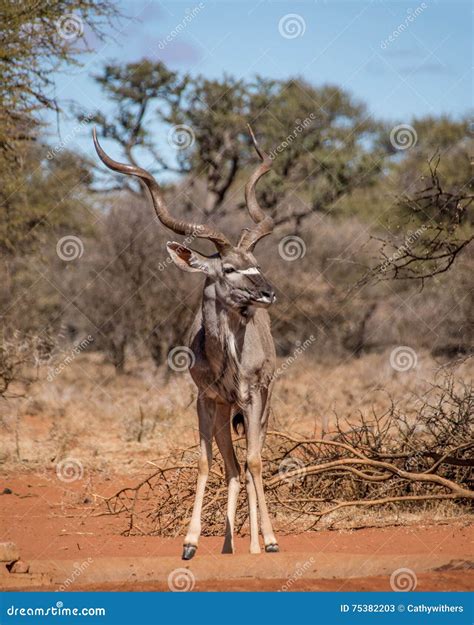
(49, 519)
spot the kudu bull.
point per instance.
(234, 355)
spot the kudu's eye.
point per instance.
(229, 270)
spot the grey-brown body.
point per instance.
(232, 354)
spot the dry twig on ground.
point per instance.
(372, 462)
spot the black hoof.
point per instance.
(273, 548)
(188, 552)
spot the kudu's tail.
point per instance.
(238, 424)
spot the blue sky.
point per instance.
(425, 69)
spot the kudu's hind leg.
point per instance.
(206, 414)
(232, 471)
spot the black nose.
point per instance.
(268, 293)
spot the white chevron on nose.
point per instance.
(251, 271)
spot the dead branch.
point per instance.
(377, 460)
(434, 246)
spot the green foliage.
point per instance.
(216, 112)
(134, 88)
(323, 146)
(404, 195)
(443, 138)
(52, 198)
(323, 142)
(34, 42)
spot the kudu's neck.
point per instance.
(224, 328)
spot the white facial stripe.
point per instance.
(251, 271)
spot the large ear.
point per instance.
(187, 259)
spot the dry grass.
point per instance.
(116, 422)
(126, 424)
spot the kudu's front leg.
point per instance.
(253, 512)
(232, 471)
(255, 426)
(206, 414)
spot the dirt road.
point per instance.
(67, 546)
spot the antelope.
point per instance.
(234, 354)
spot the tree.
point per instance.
(430, 138)
(323, 143)
(438, 233)
(206, 120)
(135, 88)
(324, 146)
(42, 194)
(128, 289)
(428, 223)
(53, 199)
(37, 38)
(216, 113)
(43, 222)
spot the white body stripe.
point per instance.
(251, 271)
